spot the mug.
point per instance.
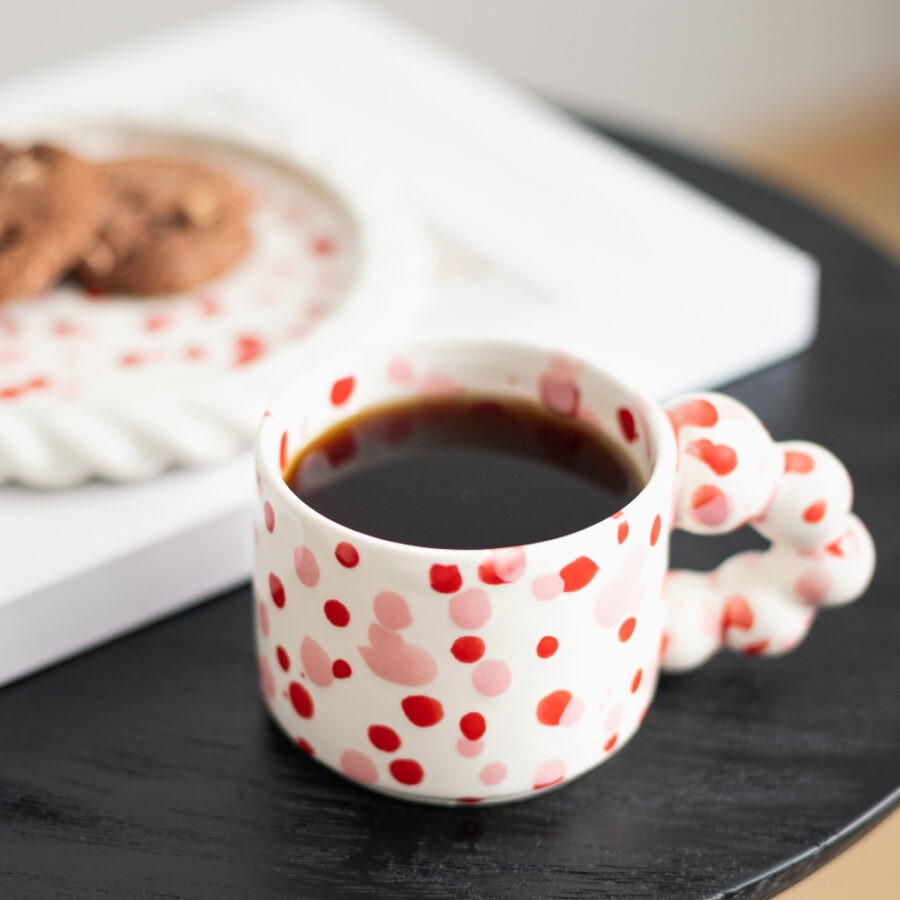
(459, 676)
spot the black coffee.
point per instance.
(463, 472)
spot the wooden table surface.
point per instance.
(149, 767)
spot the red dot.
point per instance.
(341, 669)
(468, 649)
(626, 629)
(623, 532)
(283, 659)
(626, 420)
(246, 349)
(301, 700)
(721, 458)
(547, 646)
(578, 573)
(306, 746)
(755, 649)
(445, 579)
(469, 801)
(283, 451)
(654, 531)
(488, 574)
(550, 709)
(422, 711)
(269, 516)
(276, 589)
(384, 738)
(342, 389)
(699, 413)
(814, 512)
(797, 461)
(472, 725)
(611, 743)
(337, 613)
(346, 554)
(636, 681)
(737, 613)
(407, 771)
(323, 246)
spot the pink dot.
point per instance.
(346, 554)
(337, 613)
(573, 712)
(316, 662)
(546, 587)
(469, 748)
(709, 506)
(559, 393)
(437, 384)
(392, 611)
(548, 773)
(614, 717)
(492, 773)
(471, 609)
(263, 615)
(266, 678)
(306, 566)
(503, 566)
(400, 371)
(812, 586)
(269, 516)
(491, 677)
(358, 766)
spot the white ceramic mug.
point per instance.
(454, 676)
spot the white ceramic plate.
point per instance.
(120, 387)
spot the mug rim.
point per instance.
(661, 435)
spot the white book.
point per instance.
(552, 234)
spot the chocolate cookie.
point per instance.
(174, 225)
(51, 206)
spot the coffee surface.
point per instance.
(463, 472)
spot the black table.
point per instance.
(149, 767)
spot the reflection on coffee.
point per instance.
(463, 472)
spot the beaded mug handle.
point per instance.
(796, 494)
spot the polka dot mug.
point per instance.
(462, 676)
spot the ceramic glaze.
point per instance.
(460, 676)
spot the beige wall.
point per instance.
(706, 71)
(709, 72)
